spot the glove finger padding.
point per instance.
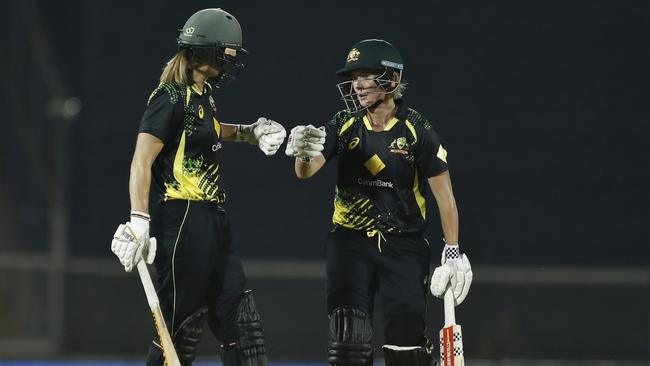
(305, 141)
(469, 276)
(457, 283)
(267, 132)
(151, 251)
(304, 145)
(312, 131)
(271, 140)
(269, 146)
(127, 246)
(116, 246)
(440, 280)
(122, 246)
(269, 150)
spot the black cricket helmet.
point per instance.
(214, 37)
(374, 55)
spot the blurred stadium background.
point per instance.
(543, 106)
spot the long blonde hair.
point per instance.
(176, 70)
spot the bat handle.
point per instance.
(450, 315)
(149, 290)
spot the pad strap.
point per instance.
(407, 356)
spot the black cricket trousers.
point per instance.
(395, 270)
(198, 269)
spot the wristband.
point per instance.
(140, 215)
(452, 251)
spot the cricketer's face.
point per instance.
(367, 89)
(208, 70)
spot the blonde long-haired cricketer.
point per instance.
(178, 158)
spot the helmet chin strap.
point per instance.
(374, 105)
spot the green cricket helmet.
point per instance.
(374, 55)
(214, 37)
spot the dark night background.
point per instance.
(543, 105)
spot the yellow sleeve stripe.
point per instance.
(346, 125)
(419, 199)
(217, 126)
(412, 129)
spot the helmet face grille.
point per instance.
(384, 81)
(229, 66)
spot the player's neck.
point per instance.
(380, 115)
(199, 78)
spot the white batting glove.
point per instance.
(455, 272)
(267, 134)
(305, 141)
(131, 243)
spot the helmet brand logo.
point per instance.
(189, 31)
(394, 65)
(353, 55)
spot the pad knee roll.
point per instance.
(407, 356)
(188, 335)
(350, 336)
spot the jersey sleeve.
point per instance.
(332, 129)
(430, 153)
(159, 117)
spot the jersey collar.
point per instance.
(206, 88)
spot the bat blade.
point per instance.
(166, 343)
(451, 346)
(451, 336)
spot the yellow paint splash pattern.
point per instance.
(352, 212)
(193, 178)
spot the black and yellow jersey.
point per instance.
(188, 167)
(382, 175)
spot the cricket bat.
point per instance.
(451, 337)
(169, 352)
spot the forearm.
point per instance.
(444, 195)
(449, 219)
(139, 185)
(229, 132)
(305, 170)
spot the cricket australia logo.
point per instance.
(400, 146)
(189, 31)
(212, 104)
(353, 55)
